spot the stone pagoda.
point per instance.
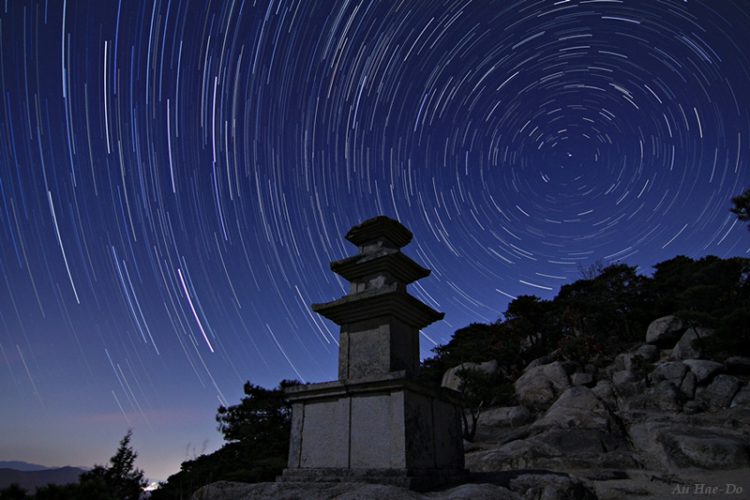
(377, 423)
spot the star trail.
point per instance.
(175, 178)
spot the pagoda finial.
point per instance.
(379, 232)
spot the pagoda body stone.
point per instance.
(377, 422)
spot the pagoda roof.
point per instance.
(370, 304)
(400, 266)
(380, 227)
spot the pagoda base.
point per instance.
(389, 430)
(417, 479)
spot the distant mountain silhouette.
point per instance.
(33, 479)
(19, 465)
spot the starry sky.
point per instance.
(176, 176)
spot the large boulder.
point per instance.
(705, 449)
(580, 378)
(664, 331)
(626, 384)
(452, 378)
(603, 391)
(543, 360)
(742, 398)
(539, 386)
(689, 345)
(506, 416)
(679, 446)
(471, 491)
(687, 386)
(549, 486)
(514, 455)
(577, 407)
(636, 359)
(720, 392)
(738, 365)
(703, 369)
(664, 396)
(672, 372)
(555, 448)
(622, 377)
(648, 352)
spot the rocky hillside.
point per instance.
(656, 421)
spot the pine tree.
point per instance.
(120, 481)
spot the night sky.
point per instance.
(176, 176)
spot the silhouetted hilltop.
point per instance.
(20, 465)
(32, 479)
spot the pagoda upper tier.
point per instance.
(378, 275)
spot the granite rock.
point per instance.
(579, 378)
(551, 487)
(538, 387)
(664, 331)
(703, 369)
(577, 407)
(687, 386)
(505, 416)
(720, 392)
(704, 449)
(672, 372)
(737, 365)
(689, 345)
(742, 398)
(664, 396)
(453, 380)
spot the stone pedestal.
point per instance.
(377, 423)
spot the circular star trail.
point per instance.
(175, 178)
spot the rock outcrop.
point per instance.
(664, 330)
(452, 378)
(656, 417)
(540, 385)
(689, 345)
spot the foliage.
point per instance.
(732, 337)
(591, 271)
(529, 331)
(13, 492)
(742, 206)
(581, 349)
(481, 390)
(257, 435)
(259, 417)
(121, 479)
(68, 491)
(614, 305)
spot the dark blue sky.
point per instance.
(176, 176)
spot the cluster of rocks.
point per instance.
(657, 417)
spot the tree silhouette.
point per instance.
(256, 432)
(13, 492)
(120, 481)
(742, 207)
